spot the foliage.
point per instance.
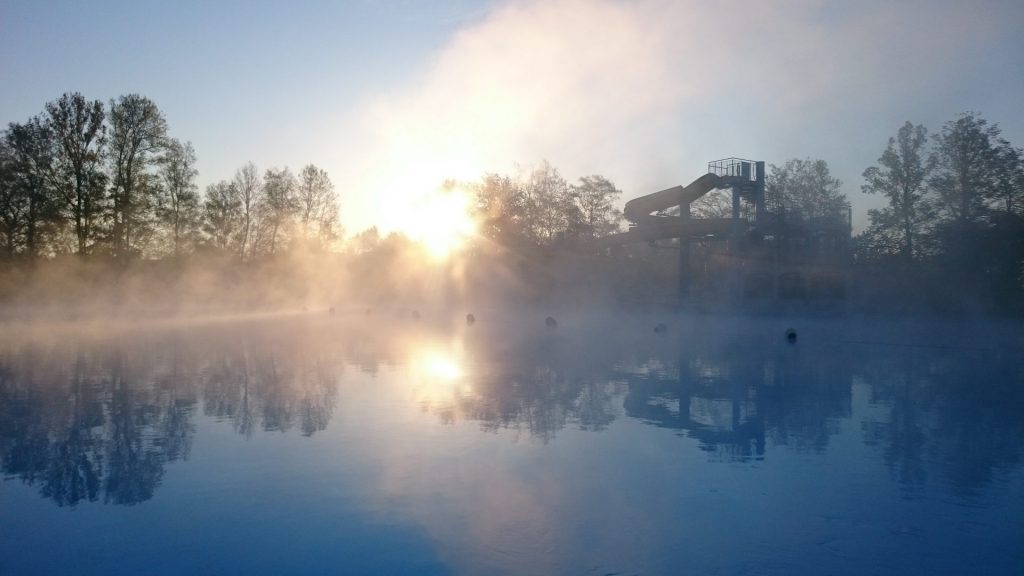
(79, 135)
(178, 204)
(278, 205)
(1008, 192)
(901, 177)
(109, 182)
(714, 204)
(541, 208)
(317, 207)
(958, 215)
(222, 216)
(965, 162)
(804, 190)
(29, 155)
(501, 210)
(594, 212)
(138, 132)
(249, 189)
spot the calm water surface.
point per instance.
(388, 445)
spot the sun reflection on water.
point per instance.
(439, 375)
(438, 365)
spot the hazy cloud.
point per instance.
(646, 92)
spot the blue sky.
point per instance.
(384, 94)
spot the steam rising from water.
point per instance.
(647, 92)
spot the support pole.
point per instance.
(684, 268)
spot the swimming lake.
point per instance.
(387, 443)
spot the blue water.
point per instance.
(383, 444)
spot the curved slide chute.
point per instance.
(641, 211)
(650, 226)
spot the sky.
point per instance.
(392, 96)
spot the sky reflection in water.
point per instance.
(389, 445)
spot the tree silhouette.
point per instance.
(29, 211)
(78, 176)
(178, 204)
(317, 205)
(902, 176)
(250, 194)
(138, 131)
(222, 220)
(805, 190)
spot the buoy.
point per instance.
(791, 335)
(550, 322)
(661, 328)
(331, 311)
(470, 319)
(415, 315)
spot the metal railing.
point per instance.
(734, 167)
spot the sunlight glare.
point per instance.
(442, 367)
(422, 196)
(438, 376)
(441, 221)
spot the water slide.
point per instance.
(648, 225)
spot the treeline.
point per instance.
(523, 224)
(954, 223)
(108, 181)
(89, 178)
(540, 207)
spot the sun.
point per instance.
(422, 191)
(441, 220)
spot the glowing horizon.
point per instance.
(440, 220)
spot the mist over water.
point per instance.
(513, 287)
(314, 442)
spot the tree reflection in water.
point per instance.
(534, 383)
(89, 418)
(955, 414)
(97, 417)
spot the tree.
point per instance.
(31, 148)
(77, 173)
(548, 204)
(805, 190)
(222, 214)
(964, 180)
(13, 203)
(964, 161)
(714, 204)
(902, 176)
(1004, 245)
(366, 241)
(178, 207)
(541, 207)
(881, 239)
(278, 207)
(501, 209)
(317, 206)
(137, 131)
(1009, 179)
(250, 194)
(594, 201)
